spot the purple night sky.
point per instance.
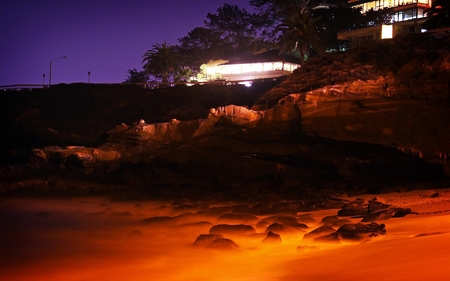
(105, 37)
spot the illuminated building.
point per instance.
(408, 16)
(269, 64)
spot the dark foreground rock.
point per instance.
(354, 232)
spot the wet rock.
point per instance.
(387, 213)
(434, 195)
(278, 228)
(121, 214)
(290, 206)
(379, 211)
(335, 221)
(185, 208)
(234, 218)
(159, 220)
(262, 225)
(354, 232)
(361, 231)
(215, 211)
(183, 218)
(242, 209)
(259, 207)
(223, 244)
(320, 231)
(306, 218)
(135, 234)
(204, 240)
(333, 237)
(232, 229)
(355, 208)
(272, 238)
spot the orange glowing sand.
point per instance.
(95, 239)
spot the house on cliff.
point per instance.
(270, 64)
(408, 16)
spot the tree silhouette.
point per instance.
(135, 76)
(299, 33)
(162, 61)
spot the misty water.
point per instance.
(100, 239)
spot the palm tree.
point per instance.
(161, 61)
(300, 34)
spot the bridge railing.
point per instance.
(19, 87)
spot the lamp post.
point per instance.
(50, 76)
(43, 80)
(89, 77)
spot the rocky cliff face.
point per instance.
(336, 126)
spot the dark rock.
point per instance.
(135, 234)
(290, 206)
(272, 238)
(355, 208)
(233, 218)
(361, 231)
(434, 195)
(215, 211)
(262, 225)
(183, 218)
(204, 240)
(306, 218)
(185, 208)
(260, 207)
(160, 220)
(333, 237)
(223, 244)
(242, 209)
(387, 213)
(320, 231)
(121, 214)
(335, 221)
(230, 229)
(43, 214)
(278, 228)
(379, 211)
(330, 219)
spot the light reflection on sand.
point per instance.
(97, 239)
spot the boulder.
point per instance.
(361, 231)
(236, 218)
(320, 231)
(232, 229)
(272, 238)
(278, 228)
(204, 240)
(355, 208)
(223, 244)
(380, 211)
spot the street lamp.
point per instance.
(50, 76)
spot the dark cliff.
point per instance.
(372, 119)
